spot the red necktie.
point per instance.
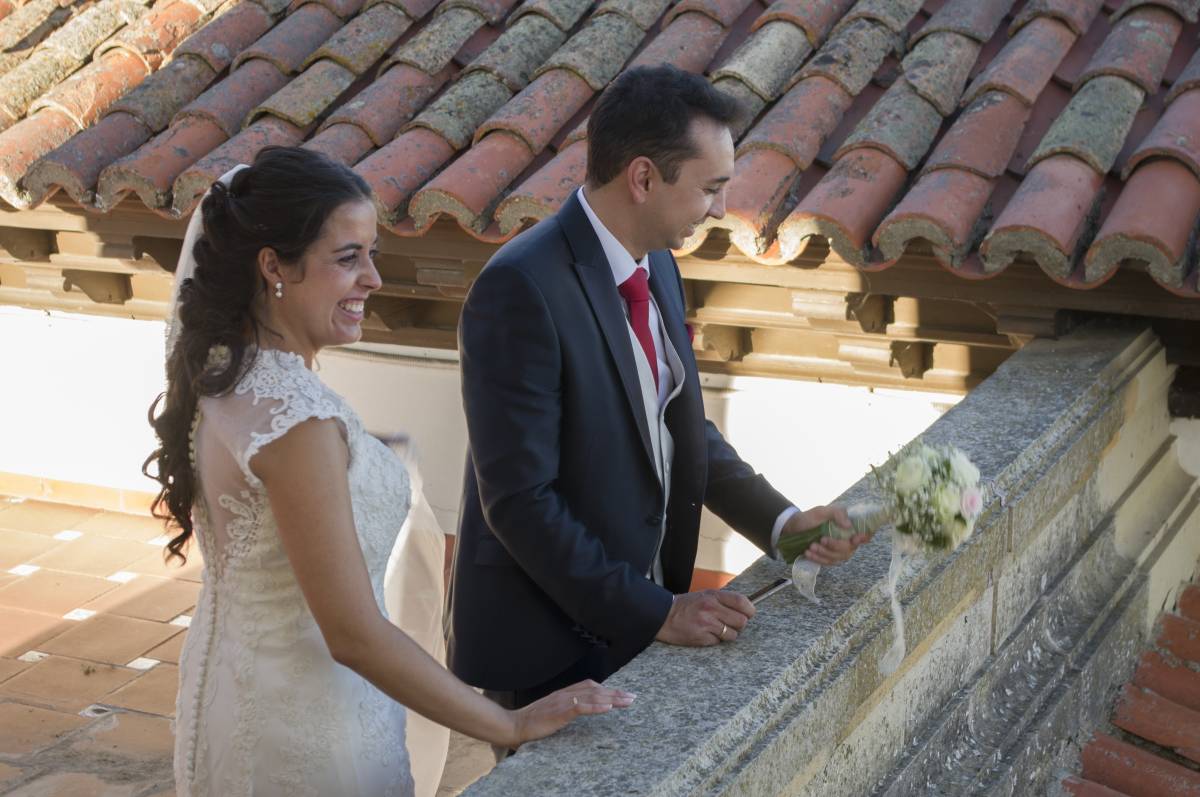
(636, 292)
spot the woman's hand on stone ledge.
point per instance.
(556, 710)
(827, 550)
(710, 617)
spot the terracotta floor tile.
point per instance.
(18, 547)
(75, 784)
(43, 517)
(125, 527)
(146, 597)
(66, 684)
(153, 693)
(152, 564)
(22, 630)
(110, 639)
(27, 729)
(53, 591)
(170, 650)
(124, 734)
(10, 667)
(94, 555)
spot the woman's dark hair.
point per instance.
(281, 202)
(648, 111)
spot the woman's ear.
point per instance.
(269, 266)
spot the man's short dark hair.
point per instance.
(647, 111)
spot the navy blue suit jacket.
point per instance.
(561, 504)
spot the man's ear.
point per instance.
(640, 175)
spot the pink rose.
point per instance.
(972, 502)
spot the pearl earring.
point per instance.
(278, 290)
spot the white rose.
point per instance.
(947, 501)
(911, 473)
(962, 470)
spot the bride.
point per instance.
(293, 681)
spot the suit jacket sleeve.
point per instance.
(511, 394)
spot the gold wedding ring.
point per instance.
(724, 628)
(574, 701)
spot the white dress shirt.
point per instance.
(623, 266)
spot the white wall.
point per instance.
(75, 390)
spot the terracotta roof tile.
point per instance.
(76, 165)
(598, 51)
(388, 103)
(902, 124)
(895, 15)
(938, 66)
(943, 208)
(22, 30)
(1045, 111)
(563, 13)
(1169, 677)
(416, 9)
(760, 188)
(24, 143)
(542, 107)
(1148, 715)
(242, 148)
(302, 100)
(1027, 63)
(1189, 79)
(396, 171)
(520, 50)
(1075, 14)
(643, 14)
(1177, 135)
(1180, 636)
(459, 110)
(345, 143)
(767, 59)
(289, 43)
(723, 12)
(977, 20)
(364, 39)
(157, 99)
(800, 122)
(689, 42)
(227, 35)
(1151, 222)
(433, 47)
(983, 138)
(342, 9)
(846, 206)
(1185, 9)
(152, 169)
(1133, 770)
(1079, 787)
(544, 191)
(492, 11)
(852, 55)
(1138, 48)
(156, 33)
(1047, 217)
(227, 103)
(469, 187)
(815, 17)
(1189, 604)
(1094, 124)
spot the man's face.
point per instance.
(676, 209)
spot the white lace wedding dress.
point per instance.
(263, 708)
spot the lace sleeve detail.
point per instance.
(283, 393)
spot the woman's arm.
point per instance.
(304, 474)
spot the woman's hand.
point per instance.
(556, 710)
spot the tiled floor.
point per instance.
(91, 625)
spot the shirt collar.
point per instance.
(619, 259)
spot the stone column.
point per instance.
(1015, 642)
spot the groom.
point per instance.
(589, 453)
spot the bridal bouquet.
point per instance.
(932, 497)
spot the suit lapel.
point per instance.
(595, 275)
(666, 295)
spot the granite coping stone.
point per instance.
(800, 666)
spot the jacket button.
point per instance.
(654, 519)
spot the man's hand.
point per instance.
(700, 619)
(827, 550)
